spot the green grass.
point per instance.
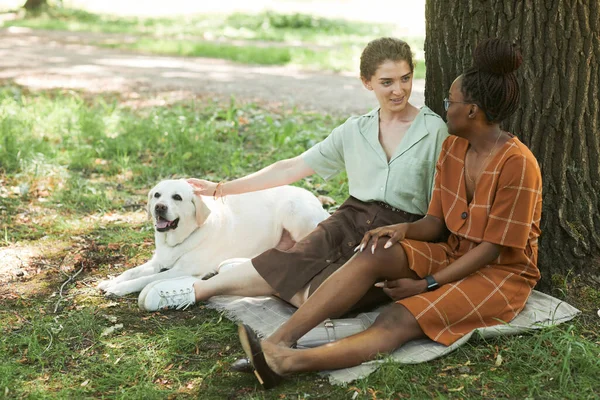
(74, 172)
(266, 38)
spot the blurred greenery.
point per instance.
(265, 38)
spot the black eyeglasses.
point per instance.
(447, 103)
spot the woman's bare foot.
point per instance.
(278, 357)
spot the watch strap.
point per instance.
(431, 283)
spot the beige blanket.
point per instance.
(265, 314)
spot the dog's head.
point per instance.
(175, 209)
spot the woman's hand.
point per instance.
(202, 187)
(402, 288)
(395, 232)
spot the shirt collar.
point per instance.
(369, 129)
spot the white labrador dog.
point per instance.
(194, 234)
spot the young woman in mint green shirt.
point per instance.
(389, 155)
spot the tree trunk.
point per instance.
(559, 114)
(34, 5)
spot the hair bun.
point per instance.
(496, 56)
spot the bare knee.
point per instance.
(383, 259)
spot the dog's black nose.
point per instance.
(160, 207)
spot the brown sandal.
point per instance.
(251, 344)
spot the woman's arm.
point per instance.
(427, 229)
(277, 174)
(472, 261)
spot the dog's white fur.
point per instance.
(209, 232)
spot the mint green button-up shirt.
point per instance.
(405, 182)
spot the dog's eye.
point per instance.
(177, 197)
(157, 195)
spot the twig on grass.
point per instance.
(49, 344)
(62, 286)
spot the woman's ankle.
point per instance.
(200, 291)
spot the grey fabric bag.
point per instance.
(331, 330)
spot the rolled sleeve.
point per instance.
(326, 158)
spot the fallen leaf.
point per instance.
(498, 360)
(112, 304)
(111, 329)
(84, 383)
(110, 318)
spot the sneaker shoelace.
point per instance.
(177, 299)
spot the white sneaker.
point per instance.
(177, 293)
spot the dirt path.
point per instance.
(42, 60)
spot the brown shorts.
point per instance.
(325, 249)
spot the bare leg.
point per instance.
(343, 289)
(286, 242)
(241, 280)
(394, 327)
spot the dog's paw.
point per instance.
(118, 290)
(105, 284)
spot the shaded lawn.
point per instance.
(74, 173)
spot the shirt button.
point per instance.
(464, 215)
(350, 244)
(368, 222)
(381, 189)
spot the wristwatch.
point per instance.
(431, 283)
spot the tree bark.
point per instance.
(34, 5)
(559, 114)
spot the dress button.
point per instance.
(368, 222)
(464, 215)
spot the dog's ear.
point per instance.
(202, 210)
(148, 205)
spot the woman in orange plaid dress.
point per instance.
(487, 194)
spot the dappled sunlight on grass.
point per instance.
(72, 213)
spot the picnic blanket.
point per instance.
(265, 314)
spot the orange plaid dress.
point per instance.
(505, 210)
